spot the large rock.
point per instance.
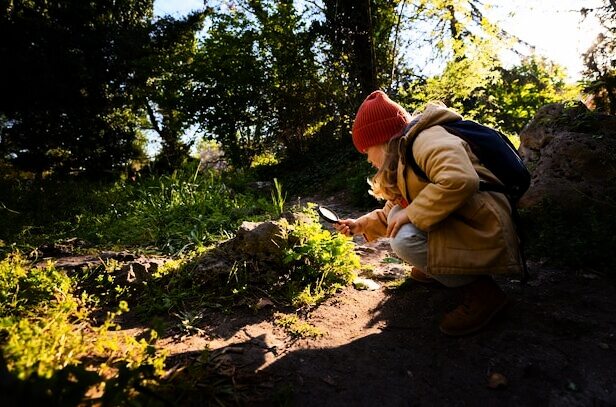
(261, 241)
(568, 210)
(571, 153)
(124, 267)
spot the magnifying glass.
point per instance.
(327, 215)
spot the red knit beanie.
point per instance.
(378, 119)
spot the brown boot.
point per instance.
(421, 277)
(483, 299)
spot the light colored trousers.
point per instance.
(411, 245)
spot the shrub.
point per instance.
(319, 262)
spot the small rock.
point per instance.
(604, 346)
(365, 284)
(365, 249)
(263, 302)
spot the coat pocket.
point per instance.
(475, 226)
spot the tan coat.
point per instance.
(469, 231)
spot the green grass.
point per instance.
(168, 214)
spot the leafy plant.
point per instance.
(175, 213)
(188, 321)
(45, 329)
(319, 262)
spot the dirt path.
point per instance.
(555, 345)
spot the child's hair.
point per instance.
(384, 183)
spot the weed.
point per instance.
(189, 320)
(319, 262)
(296, 328)
(278, 199)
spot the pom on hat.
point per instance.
(378, 119)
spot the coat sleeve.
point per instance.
(453, 179)
(374, 224)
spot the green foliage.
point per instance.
(231, 82)
(259, 80)
(506, 99)
(278, 199)
(164, 85)
(22, 288)
(314, 264)
(171, 213)
(102, 283)
(64, 89)
(47, 328)
(34, 212)
(178, 288)
(358, 49)
(511, 100)
(319, 262)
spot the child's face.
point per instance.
(376, 155)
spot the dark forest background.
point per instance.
(83, 82)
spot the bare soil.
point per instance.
(555, 344)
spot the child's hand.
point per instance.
(348, 227)
(396, 222)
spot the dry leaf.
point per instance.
(497, 381)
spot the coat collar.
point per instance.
(434, 114)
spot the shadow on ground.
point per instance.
(555, 345)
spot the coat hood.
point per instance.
(434, 114)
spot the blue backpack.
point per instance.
(494, 150)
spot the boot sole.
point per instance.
(478, 327)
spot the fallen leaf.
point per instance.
(390, 260)
(497, 381)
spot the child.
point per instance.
(448, 230)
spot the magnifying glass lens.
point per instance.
(328, 215)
